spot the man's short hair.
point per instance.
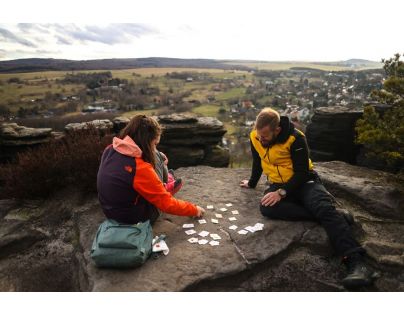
(267, 117)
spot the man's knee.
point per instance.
(270, 212)
(318, 200)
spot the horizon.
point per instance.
(302, 31)
(225, 59)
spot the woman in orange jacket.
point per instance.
(129, 190)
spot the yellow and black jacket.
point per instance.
(286, 162)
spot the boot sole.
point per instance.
(359, 282)
(356, 283)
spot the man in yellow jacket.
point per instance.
(296, 193)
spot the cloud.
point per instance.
(31, 39)
(63, 41)
(11, 37)
(26, 27)
(111, 34)
(32, 27)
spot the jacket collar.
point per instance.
(287, 129)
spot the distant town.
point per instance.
(55, 98)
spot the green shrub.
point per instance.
(383, 135)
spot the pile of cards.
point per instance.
(203, 234)
(189, 227)
(251, 229)
(204, 241)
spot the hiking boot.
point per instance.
(359, 274)
(347, 216)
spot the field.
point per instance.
(232, 93)
(206, 110)
(143, 112)
(36, 84)
(128, 73)
(288, 65)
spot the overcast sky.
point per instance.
(304, 30)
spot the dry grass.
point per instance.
(39, 172)
(148, 112)
(127, 73)
(288, 65)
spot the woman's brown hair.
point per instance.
(143, 130)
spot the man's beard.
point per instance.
(268, 144)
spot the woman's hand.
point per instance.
(201, 211)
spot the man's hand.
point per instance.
(201, 211)
(270, 199)
(244, 183)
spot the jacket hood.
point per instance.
(287, 129)
(127, 146)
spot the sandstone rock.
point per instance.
(188, 264)
(11, 134)
(120, 123)
(104, 125)
(15, 139)
(16, 237)
(331, 134)
(191, 127)
(216, 156)
(178, 118)
(379, 193)
(6, 205)
(37, 245)
(285, 256)
(189, 140)
(183, 156)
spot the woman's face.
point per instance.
(155, 142)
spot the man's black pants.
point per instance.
(312, 202)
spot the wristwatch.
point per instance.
(282, 192)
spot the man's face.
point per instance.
(266, 136)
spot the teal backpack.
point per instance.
(122, 246)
